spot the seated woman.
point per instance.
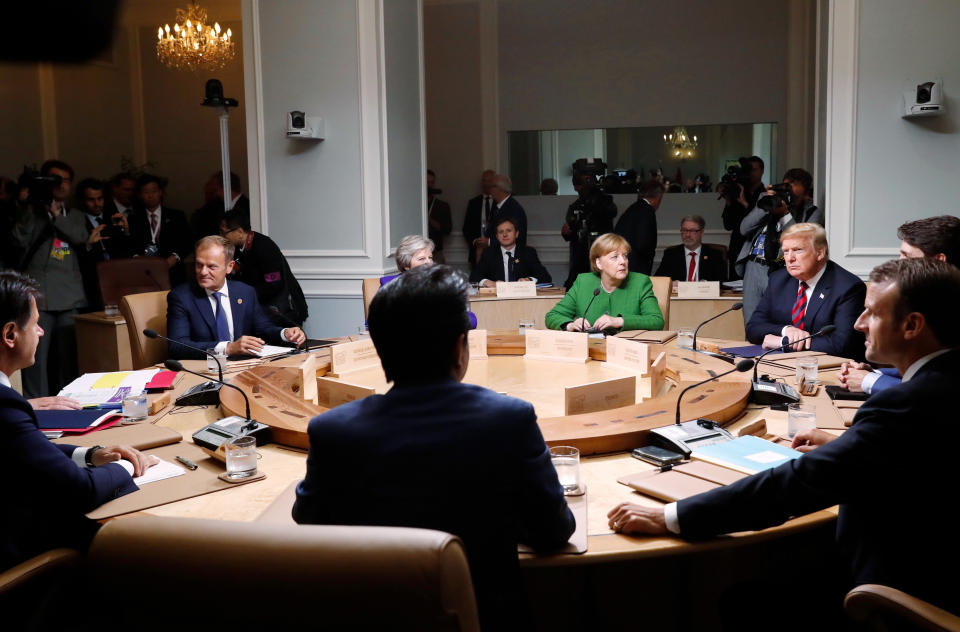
(621, 299)
(412, 251)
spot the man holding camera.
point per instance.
(740, 189)
(780, 207)
(590, 216)
(109, 238)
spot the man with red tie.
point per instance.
(692, 260)
(808, 294)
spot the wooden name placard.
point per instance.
(605, 395)
(353, 356)
(627, 354)
(656, 384)
(563, 346)
(333, 393)
(698, 289)
(516, 289)
(477, 340)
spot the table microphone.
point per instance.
(742, 366)
(734, 308)
(827, 329)
(276, 312)
(596, 293)
(150, 333)
(772, 393)
(206, 394)
(176, 365)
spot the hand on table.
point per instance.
(608, 322)
(852, 374)
(807, 440)
(792, 334)
(295, 335)
(140, 461)
(54, 403)
(580, 324)
(245, 345)
(631, 518)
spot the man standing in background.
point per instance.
(439, 222)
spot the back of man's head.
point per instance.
(934, 236)
(415, 322)
(650, 189)
(16, 290)
(235, 219)
(929, 287)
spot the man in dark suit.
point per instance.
(477, 218)
(509, 261)
(160, 231)
(505, 205)
(909, 322)
(693, 260)
(808, 294)
(638, 225)
(121, 197)
(48, 487)
(213, 313)
(206, 219)
(109, 239)
(405, 458)
(439, 220)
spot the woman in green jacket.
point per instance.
(624, 299)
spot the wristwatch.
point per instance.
(88, 458)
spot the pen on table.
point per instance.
(187, 462)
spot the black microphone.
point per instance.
(276, 312)
(596, 293)
(734, 308)
(827, 329)
(742, 366)
(176, 365)
(150, 333)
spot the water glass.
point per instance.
(524, 325)
(566, 460)
(111, 311)
(807, 370)
(685, 338)
(135, 408)
(217, 363)
(241, 457)
(800, 417)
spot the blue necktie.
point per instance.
(223, 328)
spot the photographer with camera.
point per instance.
(590, 216)
(740, 188)
(109, 238)
(51, 236)
(781, 206)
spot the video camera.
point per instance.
(40, 187)
(782, 194)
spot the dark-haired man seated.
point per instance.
(47, 487)
(509, 261)
(213, 313)
(895, 525)
(419, 455)
(808, 294)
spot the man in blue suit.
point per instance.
(47, 487)
(808, 294)
(435, 453)
(214, 313)
(896, 524)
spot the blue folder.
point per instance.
(68, 419)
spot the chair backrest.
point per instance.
(370, 287)
(29, 589)
(883, 608)
(252, 575)
(119, 277)
(145, 311)
(724, 252)
(661, 289)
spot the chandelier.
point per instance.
(192, 44)
(682, 146)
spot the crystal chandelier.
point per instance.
(191, 44)
(682, 146)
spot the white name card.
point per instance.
(698, 289)
(516, 289)
(354, 356)
(477, 341)
(627, 354)
(563, 346)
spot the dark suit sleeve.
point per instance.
(178, 328)
(471, 223)
(845, 341)
(535, 269)
(486, 268)
(662, 268)
(272, 273)
(763, 321)
(263, 327)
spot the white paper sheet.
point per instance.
(161, 471)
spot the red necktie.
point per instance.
(693, 266)
(153, 223)
(800, 307)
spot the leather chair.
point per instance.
(145, 311)
(30, 591)
(120, 277)
(724, 252)
(370, 287)
(886, 609)
(212, 574)
(661, 289)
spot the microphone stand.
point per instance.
(734, 308)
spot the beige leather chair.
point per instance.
(661, 288)
(212, 574)
(145, 311)
(882, 608)
(370, 287)
(30, 591)
(120, 277)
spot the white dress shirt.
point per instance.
(506, 259)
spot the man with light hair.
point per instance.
(809, 293)
(505, 205)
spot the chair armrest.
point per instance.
(873, 602)
(36, 569)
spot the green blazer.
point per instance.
(633, 301)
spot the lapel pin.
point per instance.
(240, 300)
(821, 295)
(705, 257)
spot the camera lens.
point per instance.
(923, 94)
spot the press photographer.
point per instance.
(590, 216)
(740, 188)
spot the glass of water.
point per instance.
(685, 338)
(566, 460)
(135, 408)
(241, 457)
(218, 360)
(800, 417)
(807, 370)
(524, 325)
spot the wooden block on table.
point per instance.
(559, 346)
(353, 356)
(477, 340)
(516, 289)
(332, 393)
(698, 289)
(603, 395)
(159, 403)
(657, 376)
(627, 354)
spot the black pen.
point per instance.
(187, 462)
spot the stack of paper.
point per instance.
(107, 390)
(748, 454)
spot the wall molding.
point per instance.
(138, 118)
(489, 79)
(253, 94)
(48, 110)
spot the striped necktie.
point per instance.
(800, 307)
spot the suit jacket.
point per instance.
(263, 267)
(52, 250)
(675, 264)
(409, 458)
(439, 212)
(914, 547)
(527, 265)
(45, 494)
(638, 225)
(634, 301)
(837, 300)
(471, 222)
(174, 237)
(206, 219)
(512, 209)
(117, 246)
(190, 319)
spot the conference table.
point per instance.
(602, 576)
